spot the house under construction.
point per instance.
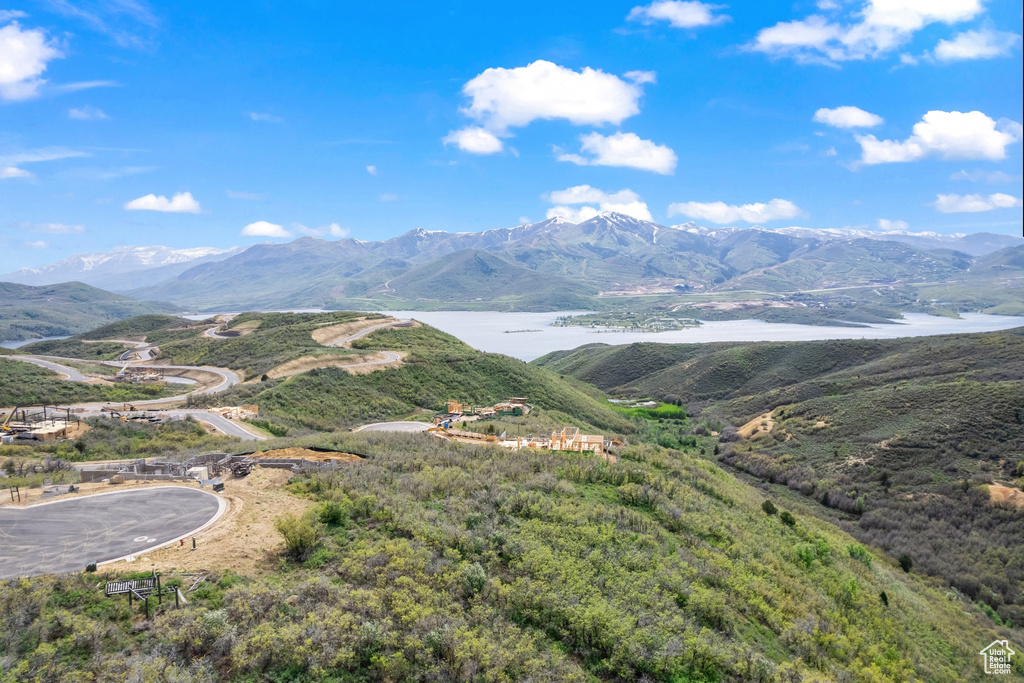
(565, 439)
(459, 412)
(43, 423)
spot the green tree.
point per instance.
(906, 563)
(787, 518)
(769, 507)
(302, 534)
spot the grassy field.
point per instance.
(895, 440)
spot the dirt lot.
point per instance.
(307, 454)
(1004, 494)
(243, 539)
(755, 428)
(294, 367)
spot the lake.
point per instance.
(530, 335)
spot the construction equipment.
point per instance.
(4, 427)
(242, 468)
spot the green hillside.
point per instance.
(65, 309)
(897, 439)
(437, 367)
(472, 275)
(437, 560)
(450, 562)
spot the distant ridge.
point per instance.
(120, 268)
(611, 254)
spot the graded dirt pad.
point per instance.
(243, 540)
(331, 334)
(307, 454)
(755, 428)
(1004, 494)
(357, 364)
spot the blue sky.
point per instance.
(126, 123)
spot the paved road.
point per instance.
(70, 373)
(229, 427)
(228, 380)
(65, 535)
(394, 427)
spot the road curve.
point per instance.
(70, 374)
(368, 330)
(228, 380)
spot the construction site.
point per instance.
(42, 423)
(564, 439)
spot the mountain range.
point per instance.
(121, 268)
(549, 265)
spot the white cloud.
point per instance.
(873, 30)
(947, 135)
(262, 116)
(981, 44)
(65, 88)
(505, 98)
(679, 14)
(32, 156)
(623, 149)
(24, 55)
(848, 117)
(474, 140)
(389, 197)
(183, 202)
(720, 212)
(251, 196)
(624, 201)
(8, 14)
(993, 177)
(888, 225)
(264, 229)
(55, 228)
(372, 170)
(331, 229)
(86, 113)
(38, 244)
(975, 203)
(14, 172)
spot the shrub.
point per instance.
(333, 513)
(769, 507)
(302, 534)
(884, 598)
(906, 563)
(787, 518)
(860, 553)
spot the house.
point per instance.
(997, 657)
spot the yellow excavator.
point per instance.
(5, 428)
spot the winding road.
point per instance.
(228, 380)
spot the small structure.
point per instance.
(246, 412)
